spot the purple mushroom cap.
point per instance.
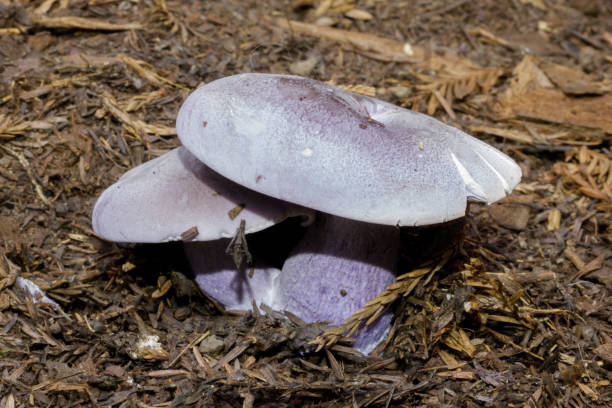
(171, 194)
(164, 197)
(348, 156)
(353, 156)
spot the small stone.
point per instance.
(303, 67)
(228, 45)
(55, 328)
(97, 326)
(512, 216)
(400, 91)
(212, 345)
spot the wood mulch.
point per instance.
(517, 315)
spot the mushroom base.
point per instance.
(338, 266)
(236, 289)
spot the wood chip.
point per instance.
(384, 49)
(510, 215)
(190, 234)
(81, 23)
(572, 81)
(359, 14)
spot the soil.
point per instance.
(517, 313)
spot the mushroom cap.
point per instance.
(164, 197)
(321, 147)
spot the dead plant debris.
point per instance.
(516, 314)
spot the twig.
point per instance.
(403, 286)
(380, 48)
(81, 23)
(187, 347)
(26, 165)
(445, 9)
(140, 67)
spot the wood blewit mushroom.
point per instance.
(164, 197)
(366, 165)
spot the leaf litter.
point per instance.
(516, 312)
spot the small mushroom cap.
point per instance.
(167, 196)
(316, 145)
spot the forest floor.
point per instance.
(518, 316)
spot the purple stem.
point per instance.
(338, 266)
(217, 275)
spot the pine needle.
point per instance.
(403, 286)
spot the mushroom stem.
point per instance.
(236, 289)
(338, 266)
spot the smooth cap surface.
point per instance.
(321, 147)
(164, 197)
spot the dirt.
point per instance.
(517, 314)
